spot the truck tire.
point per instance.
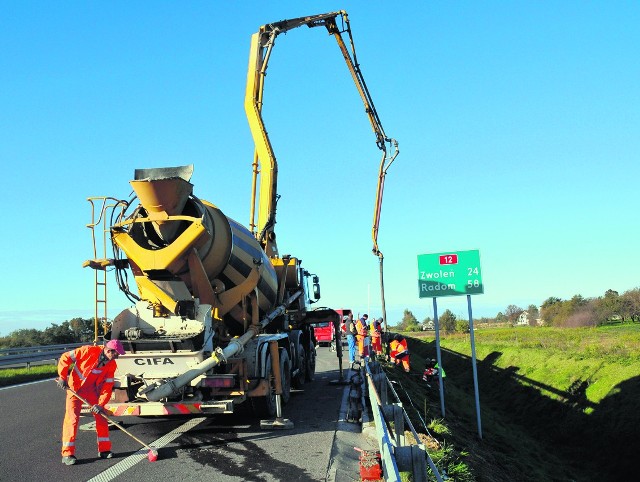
(285, 375)
(310, 374)
(299, 379)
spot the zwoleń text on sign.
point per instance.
(455, 273)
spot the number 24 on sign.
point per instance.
(473, 283)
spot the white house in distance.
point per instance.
(523, 319)
(429, 325)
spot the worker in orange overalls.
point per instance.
(88, 371)
(376, 334)
(362, 328)
(399, 352)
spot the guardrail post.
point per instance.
(412, 458)
(380, 382)
(395, 412)
(384, 394)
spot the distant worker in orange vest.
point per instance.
(399, 352)
(362, 328)
(376, 334)
(88, 371)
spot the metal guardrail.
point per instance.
(390, 420)
(26, 355)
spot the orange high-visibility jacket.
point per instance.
(398, 347)
(84, 360)
(362, 328)
(376, 328)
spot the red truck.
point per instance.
(324, 331)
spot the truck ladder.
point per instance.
(100, 262)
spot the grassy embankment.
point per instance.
(556, 404)
(14, 376)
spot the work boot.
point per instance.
(69, 460)
(106, 455)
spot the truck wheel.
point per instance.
(300, 377)
(265, 407)
(310, 374)
(285, 375)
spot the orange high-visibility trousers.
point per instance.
(72, 419)
(404, 360)
(363, 348)
(376, 343)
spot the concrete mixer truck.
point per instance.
(220, 317)
(216, 321)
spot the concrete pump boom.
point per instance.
(220, 318)
(264, 162)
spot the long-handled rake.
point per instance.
(153, 453)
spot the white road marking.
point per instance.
(25, 384)
(122, 466)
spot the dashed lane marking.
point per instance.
(124, 465)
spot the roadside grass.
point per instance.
(15, 376)
(556, 404)
(559, 359)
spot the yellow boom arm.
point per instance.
(264, 162)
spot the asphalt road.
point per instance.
(218, 448)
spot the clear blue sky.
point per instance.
(518, 125)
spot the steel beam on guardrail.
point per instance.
(389, 466)
(25, 355)
(396, 456)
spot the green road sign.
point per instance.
(455, 273)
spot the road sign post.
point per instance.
(455, 273)
(436, 324)
(475, 370)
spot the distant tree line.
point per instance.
(77, 330)
(578, 311)
(447, 321)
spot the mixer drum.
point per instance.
(169, 224)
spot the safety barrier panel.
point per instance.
(28, 354)
(390, 420)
